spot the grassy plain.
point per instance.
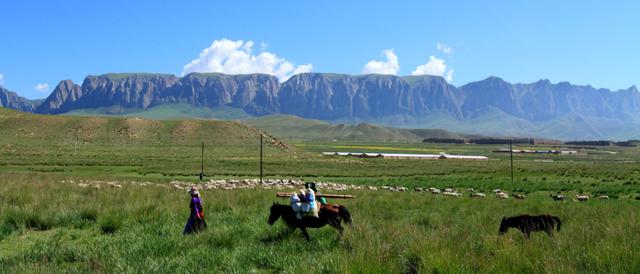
(47, 226)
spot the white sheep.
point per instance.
(582, 198)
(453, 194)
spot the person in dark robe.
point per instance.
(196, 221)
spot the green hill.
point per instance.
(293, 127)
(166, 112)
(20, 127)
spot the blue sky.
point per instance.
(583, 42)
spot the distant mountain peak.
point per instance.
(10, 99)
(494, 78)
(543, 82)
(372, 98)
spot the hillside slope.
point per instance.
(165, 112)
(293, 127)
(20, 127)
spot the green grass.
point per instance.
(47, 226)
(166, 112)
(292, 127)
(138, 230)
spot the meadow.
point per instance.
(48, 226)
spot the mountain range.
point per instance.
(490, 106)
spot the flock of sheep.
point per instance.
(498, 193)
(277, 184)
(284, 184)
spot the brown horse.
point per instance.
(527, 224)
(332, 215)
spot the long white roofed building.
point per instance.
(441, 156)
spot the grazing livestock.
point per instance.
(418, 189)
(520, 196)
(448, 190)
(477, 195)
(558, 197)
(582, 198)
(497, 190)
(454, 194)
(502, 195)
(527, 224)
(435, 191)
(603, 197)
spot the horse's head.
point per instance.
(275, 213)
(503, 226)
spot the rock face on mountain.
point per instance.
(541, 101)
(62, 98)
(9, 99)
(255, 93)
(409, 99)
(330, 97)
(334, 96)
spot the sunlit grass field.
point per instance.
(47, 226)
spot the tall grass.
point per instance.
(54, 227)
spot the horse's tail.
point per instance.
(557, 220)
(345, 215)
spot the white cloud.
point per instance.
(436, 67)
(41, 87)
(236, 57)
(446, 49)
(390, 66)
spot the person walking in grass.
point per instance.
(196, 221)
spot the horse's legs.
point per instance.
(336, 224)
(549, 231)
(305, 233)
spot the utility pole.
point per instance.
(260, 158)
(511, 153)
(202, 163)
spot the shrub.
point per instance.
(89, 215)
(110, 225)
(36, 222)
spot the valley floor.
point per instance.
(47, 225)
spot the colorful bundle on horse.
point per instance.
(305, 211)
(304, 203)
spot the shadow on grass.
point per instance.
(272, 239)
